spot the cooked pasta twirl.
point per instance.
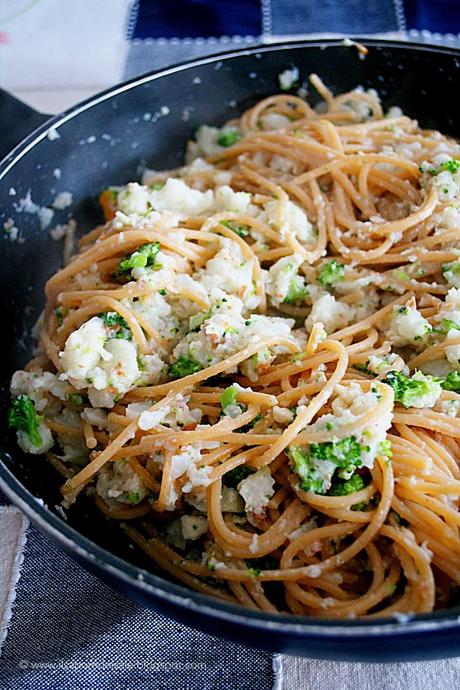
(253, 365)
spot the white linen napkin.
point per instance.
(293, 673)
(13, 527)
(79, 43)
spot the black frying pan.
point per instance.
(105, 141)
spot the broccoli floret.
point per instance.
(61, 313)
(132, 497)
(331, 273)
(234, 477)
(23, 416)
(310, 478)
(228, 397)
(118, 328)
(142, 257)
(447, 325)
(416, 391)
(452, 166)
(76, 399)
(350, 486)
(297, 291)
(156, 186)
(241, 230)
(451, 382)
(256, 565)
(384, 448)
(228, 137)
(184, 367)
(451, 273)
(346, 453)
(364, 368)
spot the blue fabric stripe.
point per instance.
(193, 18)
(216, 18)
(433, 15)
(334, 16)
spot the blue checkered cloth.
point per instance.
(69, 630)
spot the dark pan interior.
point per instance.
(111, 138)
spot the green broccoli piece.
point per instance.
(228, 137)
(364, 368)
(23, 416)
(350, 486)
(384, 448)
(256, 565)
(228, 397)
(310, 478)
(447, 325)
(452, 166)
(451, 273)
(241, 230)
(346, 453)
(61, 313)
(331, 273)
(156, 186)
(76, 399)
(297, 291)
(184, 367)
(451, 382)
(142, 257)
(132, 497)
(410, 391)
(234, 477)
(117, 325)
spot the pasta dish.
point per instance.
(253, 364)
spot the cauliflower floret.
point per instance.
(211, 140)
(121, 370)
(193, 526)
(225, 331)
(288, 78)
(185, 463)
(382, 365)
(116, 480)
(133, 198)
(151, 368)
(408, 327)
(451, 273)
(36, 385)
(282, 281)
(448, 218)
(270, 121)
(225, 199)
(231, 272)
(154, 308)
(288, 218)
(449, 316)
(450, 407)
(447, 185)
(430, 392)
(179, 197)
(333, 314)
(444, 174)
(257, 490)
(25, 443)
(95, 416)
(82, 352)
(350, 403)
(453, 352)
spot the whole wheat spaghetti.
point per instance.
(254, 363)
